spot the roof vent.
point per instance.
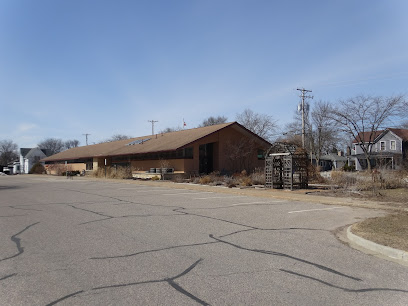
(139, 141)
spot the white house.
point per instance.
(29, 157)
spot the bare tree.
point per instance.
(322, 136)
(238, 153)
(213, 121)
(325, 134)
(363, 116)
(262, 125)
(116, 137)
(293, 130)
(8, 152)
(71, 144)
(169, 129)
(54, 145)
(404, 125)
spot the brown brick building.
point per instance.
(227, 147)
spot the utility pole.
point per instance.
(152, 121)
(86, 137)
(302, 109)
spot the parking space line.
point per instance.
(152, 190)
(209, 198)
(307, 210)
(255, 203)
(183, 193)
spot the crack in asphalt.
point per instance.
(274, 229)
(208, 217)
(24, 208)
(241, 204)
(108, 217)
(250, 227)
(181, 211)
(155, 250)
(13, 216)
(8, 276)
(130, 216)
(124, 201)
(343, 288)
(17, 241)
(95, 221)
(64, 203)
(191, 245)
(170, 281)
(64, 298)
(91, 211)
(273, 253)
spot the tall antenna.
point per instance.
(302, 109)
(86, 137)
(152, 121)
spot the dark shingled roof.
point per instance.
(365, 137)
(402, 133)
(24, 151)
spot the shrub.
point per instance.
(178, 178)
(348, 168)
(314, 174)
(231, 181)
(343, 179)
(196, 180)
(116, 172)
(120, 172)
(205, 180)
(155, 178)
(57, 168)
(258, 178)
(246, 181)
(369, 181)
(37, 169)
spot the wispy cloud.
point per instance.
(24, 127)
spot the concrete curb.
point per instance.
(377, 248)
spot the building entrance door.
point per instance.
(206, 158)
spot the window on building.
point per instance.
(261, 154)
(89, 166)
(382, 145)
(393, 145)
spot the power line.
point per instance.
(152, 121)
(302, 108)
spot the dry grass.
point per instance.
(205, 180)
(369, 181)
(314, 175)
(391, 230)
(245, 181)
(258, 178)
(237, 179)
(113, 173)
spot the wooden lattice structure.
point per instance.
(286, 167)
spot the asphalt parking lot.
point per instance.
(85, 242)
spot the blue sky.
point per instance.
(107, 67)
